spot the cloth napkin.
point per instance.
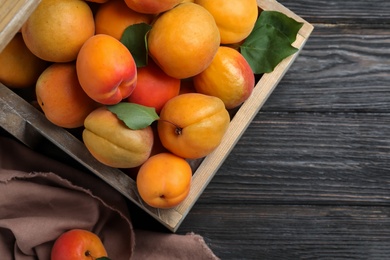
(40, 198)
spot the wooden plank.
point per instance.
(340, 70)
(375, 13)
(291, 232)
(308, 158)
(13, 13)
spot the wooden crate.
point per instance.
(31, 124)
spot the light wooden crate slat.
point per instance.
(13, 13)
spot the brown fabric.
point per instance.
(41, 198)
(171, 247)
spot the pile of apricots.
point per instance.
(70, 52)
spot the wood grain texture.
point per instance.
(339, 70)
(292, 232)
(375, 13)
(308, 158)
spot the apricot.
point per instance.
(57, 29)
(151, 6)
(20, 67)
(61, 97)
(76, 244)
(235, 18)
(154, 87)
(184, 40)
(112, 143)
(164, 180)
(114, 16)
(106, 69)
(229, 77)
(192, 125)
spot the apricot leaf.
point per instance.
(270, 41)
(103, 258)
(135, 116)
(287, 25)
(134, 38)
(267, 50)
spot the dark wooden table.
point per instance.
(310, 178)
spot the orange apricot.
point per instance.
(151, 6)
(164, 180)
(112, 143)
(76, 244)
(115, 16)
(61, 97)
(235, 18)
(154, 87)
(192, 125)
(57, 29)
(106, 69)
(184, 40)
(229, 77)
(21, 68)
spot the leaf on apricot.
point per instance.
(103, 258)
(135, 116)
(134, 38)
(270, 41)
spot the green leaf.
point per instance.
(270, 41)
(266, 48)
(134, 38)
(135, 116)
(282, 22)
(103, 258)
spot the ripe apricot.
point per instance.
(151, 6)
(77, 244)
(229, 77)
(164, 180)
(235, 18)
(154, 87)
(112, 143)
(184, 40)
(57, 29)
(106, 69)
(20, 67)
(61, 97)
(192, 125)
(114, 16)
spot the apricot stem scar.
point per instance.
(178, 129)
(88, 253)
